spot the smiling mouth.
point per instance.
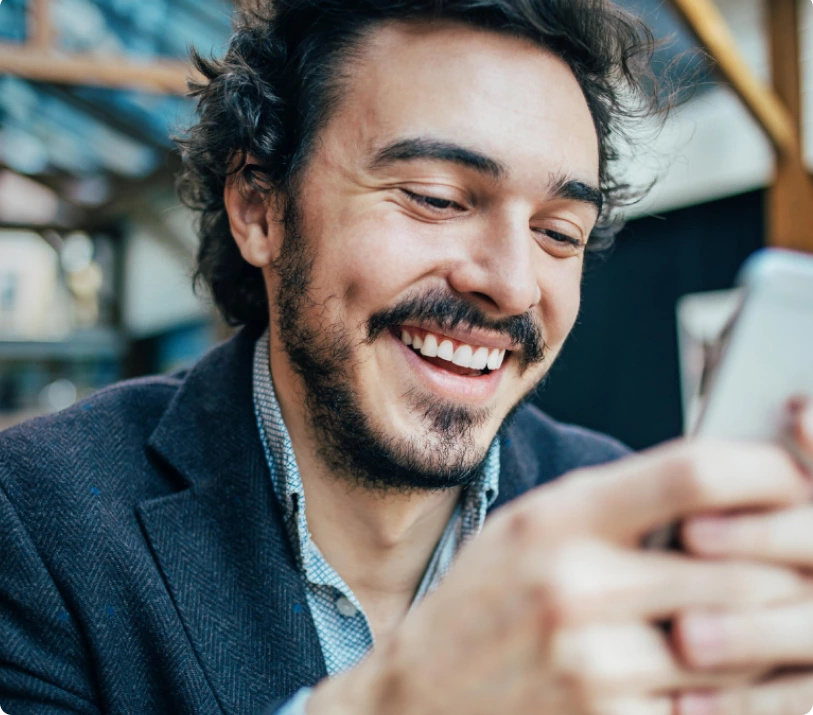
(452, 355)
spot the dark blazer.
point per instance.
(143, 564)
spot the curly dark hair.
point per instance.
(281, 77)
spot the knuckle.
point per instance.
(688, 480)
(517, 526)
(520, 525)
(564, 587)
(394, 684)
(580, 688)
(582, 658)
(546, 618)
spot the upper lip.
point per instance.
(470, 336)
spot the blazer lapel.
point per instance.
(220, 542)
(519, 466)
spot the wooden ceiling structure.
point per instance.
(39, 59)
(776, 108)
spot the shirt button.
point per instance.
(347, 609)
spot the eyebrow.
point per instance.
(571, 190)
(416, 149)
(436, 150)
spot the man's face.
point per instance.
(446, 204)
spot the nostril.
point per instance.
(485, 298)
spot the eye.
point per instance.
(433, 203)
(563, 238)
(560, 243)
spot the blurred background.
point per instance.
(96, 255)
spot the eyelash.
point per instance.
(562, 238)
(427, 201)
(431, 201)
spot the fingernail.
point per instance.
(695, 704)
(708, 532)
(705, 638)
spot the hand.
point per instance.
(765, 638)
(552, 610)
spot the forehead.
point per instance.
(498, 94)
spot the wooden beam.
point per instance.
(709, 25)
(160, 77)
(790, 198)
(40, 30)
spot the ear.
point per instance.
(255, 220)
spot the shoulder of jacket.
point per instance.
(98, 442)
(538, 449)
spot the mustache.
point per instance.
(448, 311)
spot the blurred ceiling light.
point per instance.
(25, 201)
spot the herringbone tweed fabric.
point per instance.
(144, 567)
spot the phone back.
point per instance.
(768, 358)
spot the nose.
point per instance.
(498, 269)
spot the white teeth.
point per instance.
(463, 355)
(480, 359)
(468, 356)
(430, 346)
(495, 358)
(446, 350)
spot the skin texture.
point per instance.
(554, 609)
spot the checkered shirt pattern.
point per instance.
(343, 628)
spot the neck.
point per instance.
(378, 542)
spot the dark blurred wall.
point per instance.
(619, 370)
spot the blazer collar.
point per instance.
(209, 425)
(220, 542)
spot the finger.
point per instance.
(636, 706)
(786, 695)
(593, 580)
(780, 537)
(779, 636)
(629, 498)
(614, 659)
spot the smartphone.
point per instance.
(767, 356)
(765, 360)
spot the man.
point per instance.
(396, 201)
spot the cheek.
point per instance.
(374, 257)
(561, 299)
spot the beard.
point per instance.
(446, 455)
